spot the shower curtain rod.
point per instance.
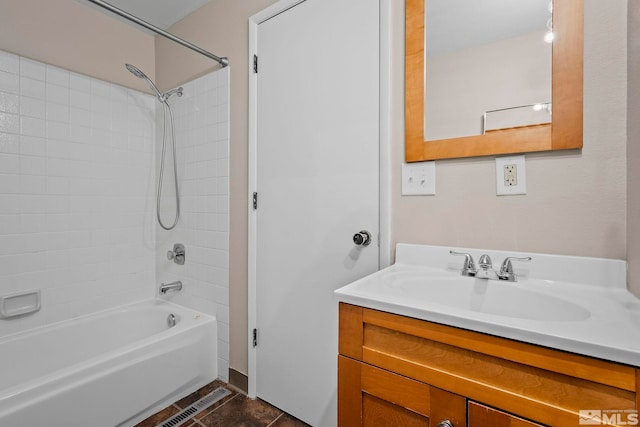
(222, 60)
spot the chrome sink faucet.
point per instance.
(486, 270)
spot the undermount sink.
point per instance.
(485, 296)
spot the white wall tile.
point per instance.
(68, 222)
(31, 87)
(31, 126)
(100, 88)
(80, 99)
(78, 82)
(9, 183)
(9, 103)
(77, 190)
(9, 82)
(57, 94)
(9, 62)
(57, 76)
(9, 163)
(33, 107)
(33, 69)
(9, 143)
(57, 112)
(33, 165)
(9, 123)
(202, 162)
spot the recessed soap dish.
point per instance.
(19, 303)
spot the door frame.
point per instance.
(384, 237)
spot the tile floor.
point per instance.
(235, 410)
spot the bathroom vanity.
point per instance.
(410, 357)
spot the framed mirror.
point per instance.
(499, 132)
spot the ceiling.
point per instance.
(161, 13)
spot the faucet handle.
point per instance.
(177, 254)
(506, 269)
(469, 267)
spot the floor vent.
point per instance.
(199, 406)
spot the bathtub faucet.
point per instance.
(175, 286)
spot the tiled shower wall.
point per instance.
(76, 191)
(78, 171)
(202, 141)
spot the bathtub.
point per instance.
(112, 368)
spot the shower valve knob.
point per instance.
(177, 254)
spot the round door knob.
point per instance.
(445, 423)
(363, 238)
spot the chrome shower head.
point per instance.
(139, 74)
(135, 71)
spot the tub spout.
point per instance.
(175, 286)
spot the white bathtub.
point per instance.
(113, 368)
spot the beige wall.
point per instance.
(221, 27)
(576, 200)
(633, 149)
(77, 37)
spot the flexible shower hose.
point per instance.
(165, 107)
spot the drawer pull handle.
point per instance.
(445, 423)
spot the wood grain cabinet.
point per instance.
(482, 416)
(370, 396)
(399, 371)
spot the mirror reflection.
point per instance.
(487, 66)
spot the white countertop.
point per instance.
(606, 324)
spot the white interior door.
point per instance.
(317, 179)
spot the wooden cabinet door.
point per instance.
(372, 397)
(483, 416)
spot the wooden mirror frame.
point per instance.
(565, 130)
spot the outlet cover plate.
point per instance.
(511, 177)
(419, 179)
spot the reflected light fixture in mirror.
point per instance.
(548, 36)
(565, 130)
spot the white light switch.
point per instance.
(419, 179)
(511, 178)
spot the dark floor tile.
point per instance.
(286, 420)
(216, 405)
(241, 412)
(158, 417)
(197, 395)
(188, 423)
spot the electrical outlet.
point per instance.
(419, 179)
(510, 176)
